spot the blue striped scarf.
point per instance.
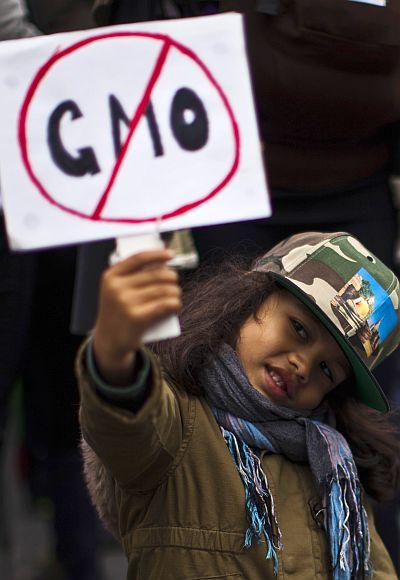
(249, 423)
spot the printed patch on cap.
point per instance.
(365, 312)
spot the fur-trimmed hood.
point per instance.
(101, 487)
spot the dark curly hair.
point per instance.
(216, 302)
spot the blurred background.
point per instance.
(28, 542)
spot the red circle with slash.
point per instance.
(168, 43)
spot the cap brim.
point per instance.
(366, 386)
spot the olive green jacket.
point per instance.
(180, 500)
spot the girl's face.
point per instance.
(289, 356)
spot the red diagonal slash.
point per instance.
(132, 127)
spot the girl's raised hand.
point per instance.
(134, 295)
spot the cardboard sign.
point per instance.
(106, 132)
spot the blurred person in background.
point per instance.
(52, 16)
(326, 80)
(14, 22)
(35, 344)
(16, 283)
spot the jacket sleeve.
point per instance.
(138, 448)
(130, 397)
(382, 564)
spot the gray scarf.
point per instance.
(250, 422)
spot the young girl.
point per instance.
(237, 450)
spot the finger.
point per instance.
(150, 294)
(147, 314)
(142, 260)
(162, 275)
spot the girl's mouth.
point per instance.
(277, 383)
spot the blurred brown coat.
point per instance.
(52, 16)
(326, 77)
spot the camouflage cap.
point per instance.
(350, 291)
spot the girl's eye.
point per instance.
(326, 370)
(299, 329)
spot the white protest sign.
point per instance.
(105, 132)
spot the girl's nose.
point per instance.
(301, 365)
